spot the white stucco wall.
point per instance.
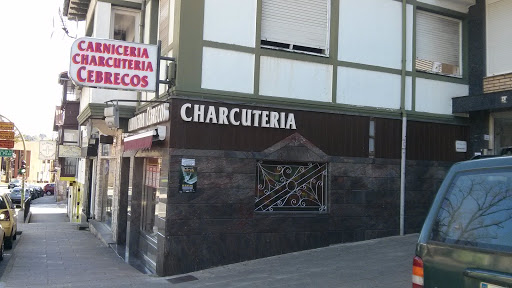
(230, 21)
(368, 88)
(227, 70)
(436, 96)
(295, 79)
(370, 32)
(102, 15)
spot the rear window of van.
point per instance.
(477, 211)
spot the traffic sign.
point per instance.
(7, 135)
(5, 153)
(6, 144)
(9, 126)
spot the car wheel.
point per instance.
(2, 252)
(48, 193)
(14, 234)
(8, 242)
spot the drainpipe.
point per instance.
(404, 118)
(141, 35)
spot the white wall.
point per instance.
(102, 15)
(368, 88)
(295, 79)
(436, 96)
(227, 70)
(230, 21)
(370, 32)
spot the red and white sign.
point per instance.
(113, 64)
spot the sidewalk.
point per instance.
(51, 252)
(54, 253)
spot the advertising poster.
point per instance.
(188, 179)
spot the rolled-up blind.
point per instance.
(499, 37)
(438, 38)
(296, 22)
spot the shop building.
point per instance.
(266, 139)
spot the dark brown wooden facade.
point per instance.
(334, 134)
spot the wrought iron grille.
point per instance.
(291, 187)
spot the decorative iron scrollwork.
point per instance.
(291, 187)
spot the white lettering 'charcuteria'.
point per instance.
(237, 116)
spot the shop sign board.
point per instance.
(5, 153)
(112, 64)
(7, 135)
(47, 150)
(6, 126)
(149, 117)
(66, 151)
(6, 143)
(237, 117)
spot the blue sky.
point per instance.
(34, 51)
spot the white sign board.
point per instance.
(113, 64)
(461, 146)
(47, 150)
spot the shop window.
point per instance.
(149, 201)
(301, 25)
(291, 187)
(438, 44)
(125, 25)
(69, 167)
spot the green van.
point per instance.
(466, 240)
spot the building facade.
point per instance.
(280, 128)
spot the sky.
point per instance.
(34, 51)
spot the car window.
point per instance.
(477, 211)
(3, 204)
(8, 199)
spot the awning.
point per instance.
(483, 102)
(144, 140)
(139, 141)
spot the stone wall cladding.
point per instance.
(217, 225)
(498, 83)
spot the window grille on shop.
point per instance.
(291, 187)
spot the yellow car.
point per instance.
(8, 220)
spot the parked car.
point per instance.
(2, 246)
(14, 183)
(39, 191)
(8, 220)
(34, 194)
(49, 188)
(16, 195)
(466, 240)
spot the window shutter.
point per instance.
(438, 38)
(499, 37)
(298, 22)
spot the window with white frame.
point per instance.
(438, 44)
(125, 25)
(299, 25)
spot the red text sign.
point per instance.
(113, 64)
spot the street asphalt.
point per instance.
(52, 252)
